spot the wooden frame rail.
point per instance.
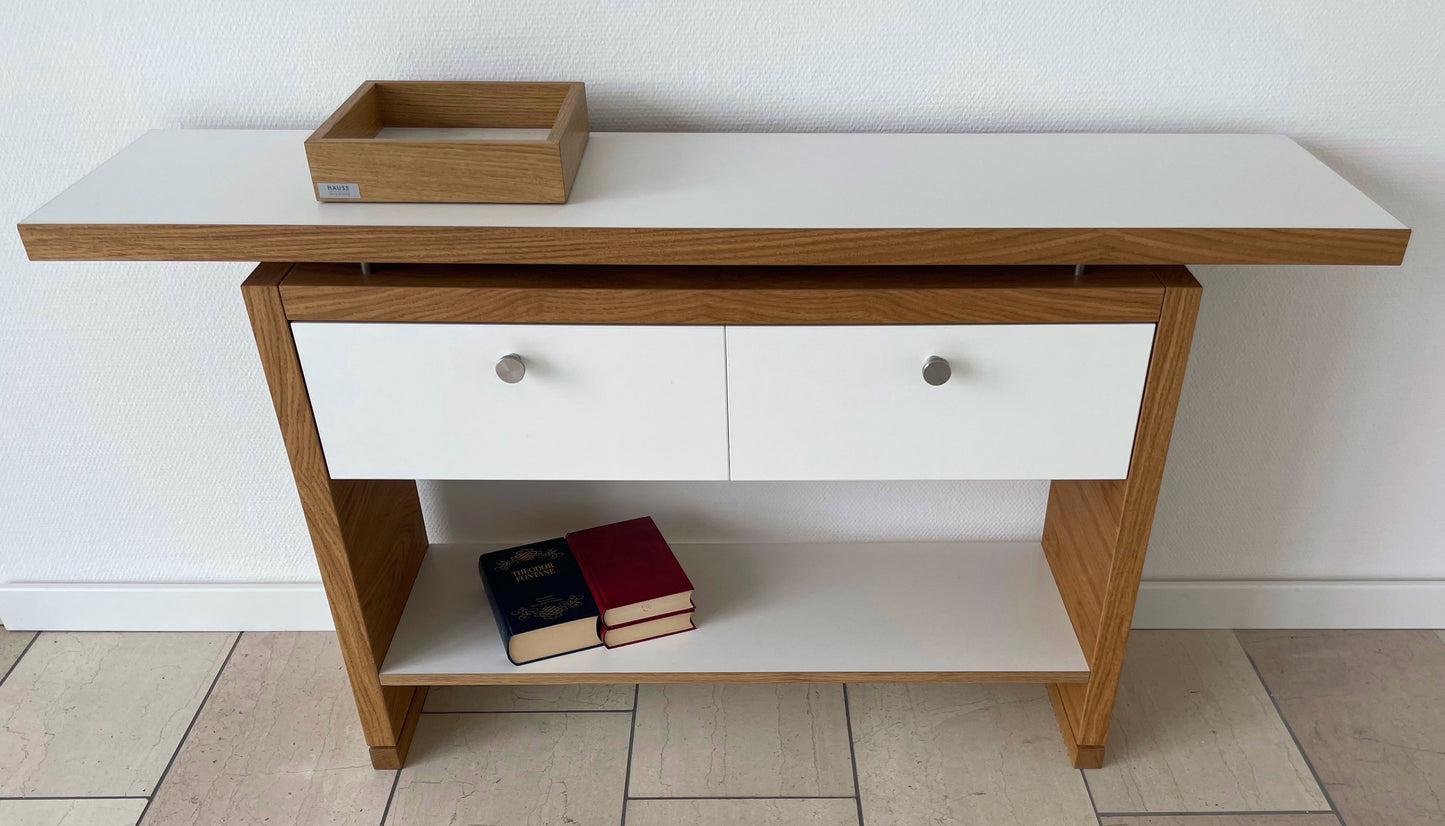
(536, 294)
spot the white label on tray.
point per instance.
(338, 190)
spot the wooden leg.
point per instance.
(1082, 755)
(394, 757)
(1096, 533)
(368, 534)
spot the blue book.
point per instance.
(540, 600)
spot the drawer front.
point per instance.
(423, 401)
(1024, 401)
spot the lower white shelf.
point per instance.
(779, 613)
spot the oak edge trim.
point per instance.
(707, 246)
(605, 678)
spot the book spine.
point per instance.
(591, 581)
(497, 613)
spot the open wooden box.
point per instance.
(445, 141)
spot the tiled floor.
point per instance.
(1212, 728)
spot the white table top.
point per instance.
(722, 181)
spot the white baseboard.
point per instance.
(1394, 603)
(302, 606)
(151, 607)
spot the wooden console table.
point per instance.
(839, 268)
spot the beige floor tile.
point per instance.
(12, 645)
(741, 740)
(763, 812)
(1222, 820)
(530, 698)
(1194, 731)
(1369, 710)
(71, 812)
(101, 714)
(958, 753)
(1442, 636)
(278, 741)
(514, 768)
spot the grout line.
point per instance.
(852, 756)
(21, 657)
(540, 711)
(631, 736)
(1304, 755)
(1092, 805)
(750, 797)
(387, 811)
(1220, 813)
(155, 790)
(80, 797)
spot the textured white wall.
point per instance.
(136, 436)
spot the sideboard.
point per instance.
(740, 307)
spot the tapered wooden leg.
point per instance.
(1096, 533)
(368, 534)
(394, 757)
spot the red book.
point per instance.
(632, 573)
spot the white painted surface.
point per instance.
(642, 179)
(99, 606)
(423, 401)
(1025, 401)
(805, 607)
(1308, 443)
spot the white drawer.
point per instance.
(423, 401)
(1025, 401)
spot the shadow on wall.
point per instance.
(507, 512)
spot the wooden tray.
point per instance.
(444, 141)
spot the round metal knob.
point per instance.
(936, 370)
(511, 368)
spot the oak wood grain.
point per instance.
(1081, 528)
(358, 117)
(1085, 710)
(1082, 756)
(394, 757)
(720, 295)
(442, 171)
(762, 247)
(460, 103)
(368, 535)
(475, 171)
(570, 132)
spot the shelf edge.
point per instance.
(710, 246)
(607, 678)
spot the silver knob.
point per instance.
(936, 370)
(511, 368)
